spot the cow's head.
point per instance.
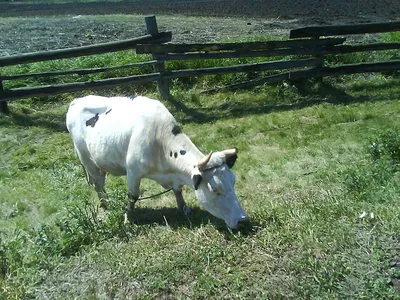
(214, 183)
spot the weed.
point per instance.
(372, 178)
(386, 146)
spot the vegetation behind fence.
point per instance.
(296, 59)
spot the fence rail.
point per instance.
(48, 90)
(311, 46)
(76, 71)
(153, 37)
(237, 50)
(162, 37)
(317, 31)
(184, 48)
(314, 46)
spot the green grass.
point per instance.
(309, 165)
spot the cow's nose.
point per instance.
(242, 223)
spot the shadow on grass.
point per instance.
(26, 118)
(172, 218)
(325, 93)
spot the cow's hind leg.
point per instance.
(97, 178)
(98, 183)
(182, 207)
(133, 194)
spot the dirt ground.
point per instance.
(321, 9)
(37, 27)
(24, 35)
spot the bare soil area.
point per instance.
(322, 9)
(23, 35)
(37, 27)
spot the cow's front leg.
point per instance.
(129, 215)
(103, 198)
(182, 207)
(133, 195)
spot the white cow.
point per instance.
(140, 138)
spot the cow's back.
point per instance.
(120, 130)
(82, 109)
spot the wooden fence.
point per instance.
(311, 45)
(153, 36)
(311, 48)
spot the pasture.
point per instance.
(310, 164)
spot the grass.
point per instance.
(305, 174)
(310, 164)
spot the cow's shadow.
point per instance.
(25, 118)
(173, 219)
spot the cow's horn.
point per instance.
(204, 161)
(230, 152)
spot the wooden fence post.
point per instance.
(163, 83)
(321, 60)
(3, 104)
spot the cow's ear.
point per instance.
(230, 161)
(197, 180)
(230, 156)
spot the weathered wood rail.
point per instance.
(312, 48)
(85, 50)
(318, 31)
(76, 71)
(27, 92)
(168, 52)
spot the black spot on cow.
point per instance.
(92, 121)
(176, 154)
(170, 153)
(182, 152)
(176, 130)
(197, 180)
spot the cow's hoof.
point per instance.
(129, 216)
(126, 221)
(101, 214)
(103, 204)
(187, 211)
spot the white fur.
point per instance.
(133, 137)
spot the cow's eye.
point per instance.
(215, 189)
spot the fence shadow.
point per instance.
(26, 118)
(325, 93)
(191, 114)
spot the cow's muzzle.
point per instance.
(243, 223)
